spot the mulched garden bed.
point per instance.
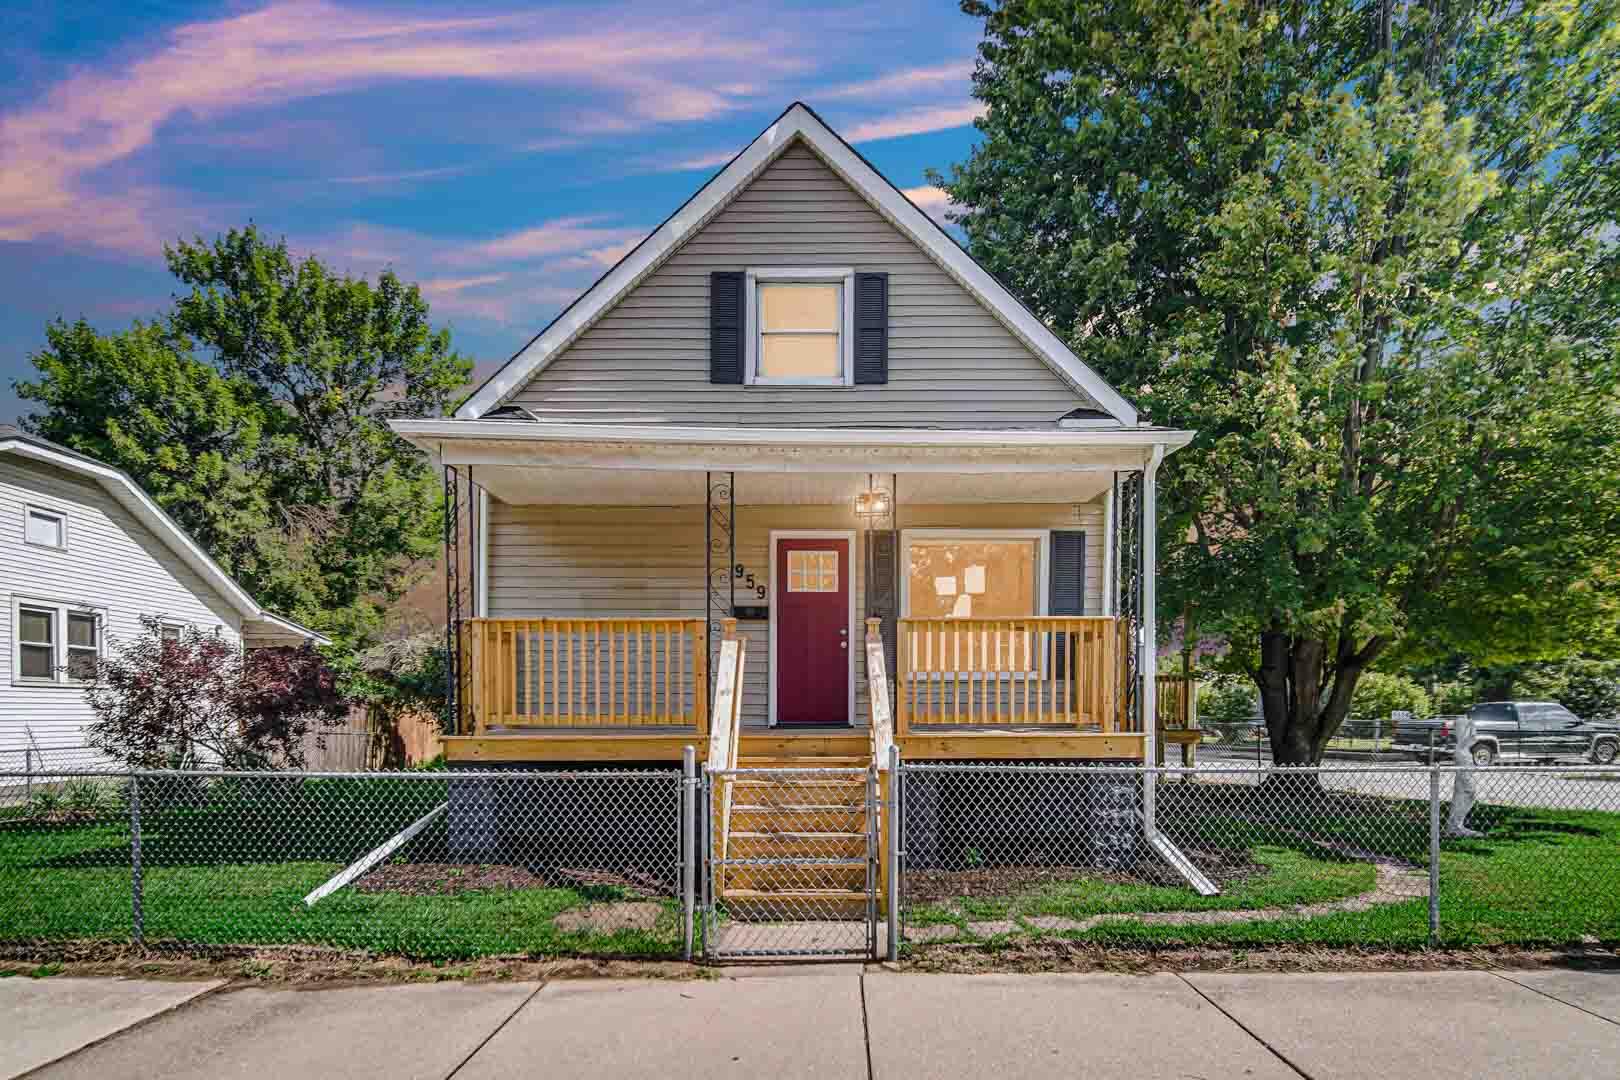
(930, 886)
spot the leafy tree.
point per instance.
(1225, 702)
(204, 700)
(257, 411)
(188, 435)
(1588, 688)
(1378, 694)
(1367, 252)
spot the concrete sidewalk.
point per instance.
(830, 1021)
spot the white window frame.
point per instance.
(813, 275)
(59, 638)
(1043, 583)
(30, 509)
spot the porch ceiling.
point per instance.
(648, 487)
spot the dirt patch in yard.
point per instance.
(1048, 955)
(446, 879)
(609, 918)
(1225, 867)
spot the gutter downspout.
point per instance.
(1150, 684)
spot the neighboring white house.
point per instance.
(84, 554)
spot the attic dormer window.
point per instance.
(799, 326)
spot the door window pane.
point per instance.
(812, 571)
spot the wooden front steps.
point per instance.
(797, 844)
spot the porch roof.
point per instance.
(682, 448)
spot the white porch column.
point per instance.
(1148, 651)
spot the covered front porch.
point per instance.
(1005, 577)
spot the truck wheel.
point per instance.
(1484, 755)
(1605, 751)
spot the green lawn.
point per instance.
(235, 869)
(1539, 878)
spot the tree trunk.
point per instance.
(1299, 719)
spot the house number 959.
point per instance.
(741, 571)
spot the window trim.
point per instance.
(61, 517)
(812, 275)
(60, 610)
(1043, 584)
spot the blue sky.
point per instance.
(501, 157)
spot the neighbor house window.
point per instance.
(55, 643)
(800, 327)
(170, 632)
(36, 643)
(973, 576)
(45, 528)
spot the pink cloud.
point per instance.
(52, 151)
(953, 75)
(562, 236)
(930, 200)
(915, 122)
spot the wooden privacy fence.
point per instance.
(588, 673)
(1047, 670)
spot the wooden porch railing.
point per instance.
(1175, 698)
(588, 673)
(1047, 670)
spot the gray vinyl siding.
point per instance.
(951, 362)
(647, 562)
(112, 563)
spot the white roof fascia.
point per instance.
(428, 433)
(140, 504)
(797, 122)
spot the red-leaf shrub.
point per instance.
(202, 700)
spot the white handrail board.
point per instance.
(374, 856)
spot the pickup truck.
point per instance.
(1515, 731)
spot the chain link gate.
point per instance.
(790, 863)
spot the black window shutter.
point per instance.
(882, 595)
(1066, 586)
(871, 329)
(727, 295)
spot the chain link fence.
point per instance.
(1342, 857)
(420, 864)
(793, 862)
(651, 863)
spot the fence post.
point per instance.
(28, 774)
(1434, 855)
(688, 844)
(137, 908)
(891, 823)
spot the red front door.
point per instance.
(812, 631)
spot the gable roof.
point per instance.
(120, 486)
(798, 122)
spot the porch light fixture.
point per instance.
(873, 503)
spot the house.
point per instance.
(87, 554)
(799, 404)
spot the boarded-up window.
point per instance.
(973, 578)
(799, 331)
